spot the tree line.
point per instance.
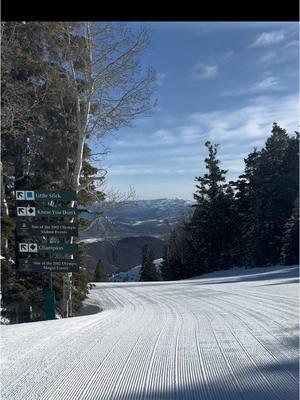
(64, 86)
(253, 221)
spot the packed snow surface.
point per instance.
(228, 336)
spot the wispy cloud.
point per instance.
(269, 83)
(251, 122)
(293, 43)
(204, 71)
(266, 58)
(268, 38)
(246, 123)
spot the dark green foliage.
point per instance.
(275, 194)
(253, 221)
(265, 197)
(212, 224)
(172, 266)
(38, 151)
(148, 268)
(290, 238)
(100, 273)
(80, 288)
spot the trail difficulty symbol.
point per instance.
(30, 195)
(25, 195)
(31, 211)
(33, 248)
(42, 195)
(28, 247)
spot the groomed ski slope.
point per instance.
(227, 336)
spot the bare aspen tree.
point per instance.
(109, 86)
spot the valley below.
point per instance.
(119, 234)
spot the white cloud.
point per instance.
(251, 122)
(204, 71)
(268, 38)
(178, 158)
(269, 83)
(293, 43)
(161, 136)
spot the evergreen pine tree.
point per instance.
(212, 225)
(171, 268)
(100, 273)
(148, 268)
(276, 190)
(34, 119)
(245, 211)
(290, 238)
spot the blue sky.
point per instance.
(224, 82)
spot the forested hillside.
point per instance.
(63, 84)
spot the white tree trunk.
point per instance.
(4, 206)
(82, 125)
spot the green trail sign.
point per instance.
(45, 195)
(48, 265)
(44, 248)
(25, 228)
(54, 212)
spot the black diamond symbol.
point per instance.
(32, 247)
(30, 210)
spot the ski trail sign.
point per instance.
(46, 195)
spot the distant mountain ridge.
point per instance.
(135, 218)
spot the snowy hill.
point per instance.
(133, 275)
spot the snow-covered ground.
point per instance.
(133, 275)
(228, 336)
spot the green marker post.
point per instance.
(49, 298)
(49, 301)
